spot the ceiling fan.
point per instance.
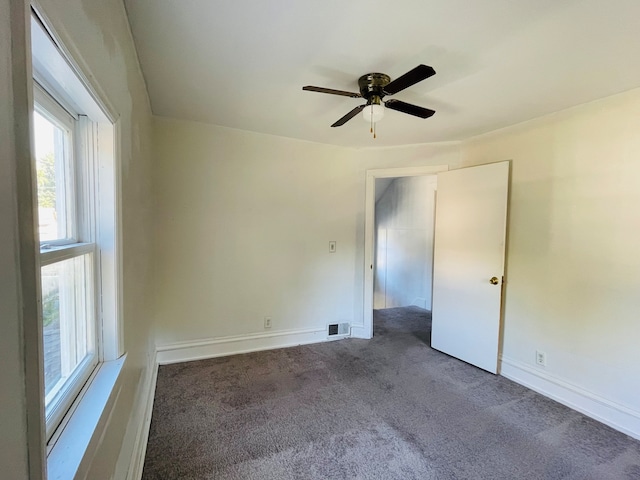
(374, 87)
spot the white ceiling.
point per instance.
(242, 63)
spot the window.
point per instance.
(77, 198)
(67, 254)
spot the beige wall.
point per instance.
(573, 272)
(97, 35)
(243, 222)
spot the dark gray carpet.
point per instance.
(387, 408)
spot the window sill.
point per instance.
(74, 448)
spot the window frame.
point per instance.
(78, 191)
(47, 107)
(98, 220)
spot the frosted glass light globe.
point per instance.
(378, 113)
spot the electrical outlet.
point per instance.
(267, 322)
(332, 247)
(541, 358)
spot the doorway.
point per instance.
(404, 235)
(366, 330)
(469, 259)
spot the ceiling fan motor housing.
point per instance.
(372, 87)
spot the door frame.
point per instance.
(366, 329)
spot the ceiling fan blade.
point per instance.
(310, 88)
(412, 77)
(348, 116)
(409, 108)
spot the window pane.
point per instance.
(53, 173)
(67, 311)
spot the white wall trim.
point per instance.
(74, 447)
(145, 405)
(232, 345)
(359, 331)
(615, 415)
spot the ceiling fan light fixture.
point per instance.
(373, 113)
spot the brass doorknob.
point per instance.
(493, 281)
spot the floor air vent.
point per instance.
(338, 330)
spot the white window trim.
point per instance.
(58, 253)
(73, 444)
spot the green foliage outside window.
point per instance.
(46, 169)
(51, 308)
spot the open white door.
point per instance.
(469, 249)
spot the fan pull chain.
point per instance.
(372, 129)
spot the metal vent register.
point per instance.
(338, 329)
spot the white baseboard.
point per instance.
(145, 404)
(610, 413)
(359, 331)
(420, 302)
(232, 345)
